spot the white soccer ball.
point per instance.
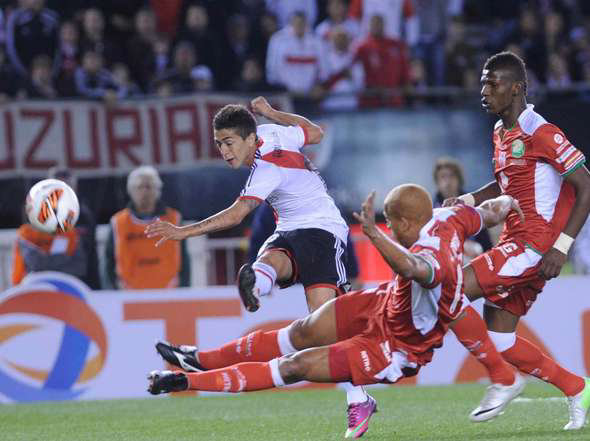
(52, 206)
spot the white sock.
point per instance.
(274, 372)
(354, 394)
(265, 277)
(502, 340)
(285, 345)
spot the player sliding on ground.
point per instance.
(378, 335)
(308, 246)
(535, 163)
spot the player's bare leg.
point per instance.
(471, 332)
(258, 279)
(528, 358)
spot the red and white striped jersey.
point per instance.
(530, 161)
(289, 182)
(418, 316)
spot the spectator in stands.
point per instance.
(342, 94)
(529, 35)
(69, 53)
(202, 78)
(32, 30)
(433, 16)
(555, 36)
(179, 77)
(95, 40)
(132, 260)
(252, 78)
(337, 18)
(140, 48)
(127, 88)
(239, 46)
(93, 80)
(205, 40)
(295, 59)
(85, 227)
(399, 18)
(448, 177)
(557, 74)
(7, 78)
(386, 67)
(39, 84)
(460, 53)
(284, 11)
(579, 53)
(161, 49)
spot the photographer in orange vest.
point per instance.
(132, 260)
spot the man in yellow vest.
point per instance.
(132, 261)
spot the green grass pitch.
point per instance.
(405, 413)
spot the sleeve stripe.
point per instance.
(572, 160)
(256, 198)
(567, 153)
(575, 167)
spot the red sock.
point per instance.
(257, 346)
(238, 378)
(528, 358)
(471, 331)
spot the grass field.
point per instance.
(405, 413)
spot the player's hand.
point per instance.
(367, 216)
(166, 230)
(451, 202)
(551, 264)
(261, 106)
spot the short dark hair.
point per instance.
(236, 117)
(511, 62)
(451, 164)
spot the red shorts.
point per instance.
(508, 276)
(365, 349)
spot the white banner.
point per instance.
(95, 139)
(60, 341)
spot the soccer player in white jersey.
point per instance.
(308, 246)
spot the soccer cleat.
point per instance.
(182, 356)
(163, 382)
(578, 407)
(246, 282)
(496, 398)
(359, 415)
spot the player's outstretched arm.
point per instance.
(223, 220)
(489, 191)
(261, 106)
(399, 258)
(554, 259)
(494, 211)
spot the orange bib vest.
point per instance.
(140, 265)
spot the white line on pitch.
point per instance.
(532, 400)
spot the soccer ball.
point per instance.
(52, 206)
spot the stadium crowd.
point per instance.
(333, 50)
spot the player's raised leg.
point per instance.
(530, 359)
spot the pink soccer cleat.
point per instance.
(359, 415)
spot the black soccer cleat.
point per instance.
(246, 281)
(163, 382)
(181, 356)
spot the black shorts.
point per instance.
(318, 257)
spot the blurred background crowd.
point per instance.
(381, 50)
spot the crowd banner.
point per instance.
(61, 341)
(96, 139)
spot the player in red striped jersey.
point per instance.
(535, 163)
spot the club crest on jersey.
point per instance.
(517, 148)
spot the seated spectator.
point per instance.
(557, 74)
(337, 18)
(127, 88)
(132, 260)
(448, 177)
(295, 59)
(69, 47)
(252, 78)
(140, 48)
(342, 94)
(32, 30)
(239, 47)
(161, 50)
(85, 227)
(399, 18)
(202, 78)
(40, 84)
(460, 54)
(179, 77)
(95, 40)
(94, 81)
